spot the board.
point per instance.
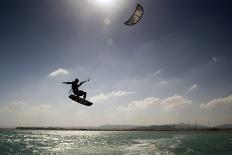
(80, 100)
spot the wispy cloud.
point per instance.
(175, 102)
(218, 102)
(141, 104)
(215, 60)
(170, 103)
(59, 72)
(22, 106)
(104, 96)
(158, 72)
(163, 82)
(192, 88)
(28, 114)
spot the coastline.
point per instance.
(118, 129)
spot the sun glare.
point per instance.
(105, 2)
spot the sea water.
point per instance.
(115, 142)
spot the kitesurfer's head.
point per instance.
(76, 80)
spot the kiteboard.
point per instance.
(80, 100)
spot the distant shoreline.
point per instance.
(116, 129)
(169, 127)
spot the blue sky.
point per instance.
(173, 66)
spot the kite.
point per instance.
(137, 15)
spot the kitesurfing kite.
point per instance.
(137, 15)
(77, 93)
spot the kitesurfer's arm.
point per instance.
(83, 82)
(67, 82)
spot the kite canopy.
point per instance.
(137, 15)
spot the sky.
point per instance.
(174, 66)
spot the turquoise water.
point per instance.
(107, 142)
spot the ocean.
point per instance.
(115, 142)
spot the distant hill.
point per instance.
(168, 127)
(122, 127)
(174, 127)
(224, 126)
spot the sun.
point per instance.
(105, 2)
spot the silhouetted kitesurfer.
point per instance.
(75, 88)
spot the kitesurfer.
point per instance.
(75, 88)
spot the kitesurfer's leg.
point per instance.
(84, 95)
(76, 92)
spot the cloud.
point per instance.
(141, 104)
(107, 21)
(158, 72)
(218, 102)
(163, 82)
(59, 72)
(22, 106)
(175, 102)
(104, 96)
(170, 103)
(192, 88)
(16, 106)
(100, 98)
(215, 60)
(26, 114)
(21, 113)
